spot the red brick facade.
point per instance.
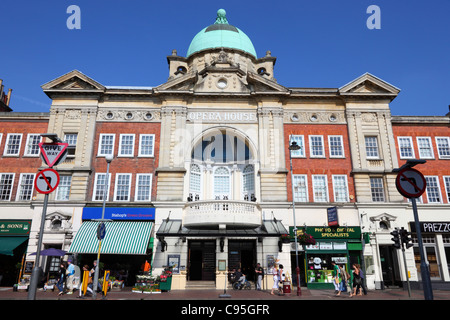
(437, 165)
(134, 165)
(325, 165)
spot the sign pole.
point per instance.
(427, 289)
(37, 270)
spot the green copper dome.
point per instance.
(221, 35)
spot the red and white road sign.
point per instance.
(410, 183)
(46, 181)
(51, 153)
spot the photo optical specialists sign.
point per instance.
(221, 116)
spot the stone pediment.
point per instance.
(368, 84)
(185, 82)
(262, 85)
(73, 81)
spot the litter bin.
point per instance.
(286, 287)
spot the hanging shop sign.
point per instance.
(119, 213)
(332, 215)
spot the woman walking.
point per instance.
(61, 278)
(356, 281)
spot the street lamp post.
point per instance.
(295, 146)
(108, 159)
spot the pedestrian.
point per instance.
(88, 280)
(344, 276)
(275, 279)
(336, 279)
(70, 274)
(61, 278)
(281, 277)
(356, 282)
(259, 276)
(361, 274)
(92, 274)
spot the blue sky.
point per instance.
(322, 43)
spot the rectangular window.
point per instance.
(433, 189)
(340, 188)
(371, 147)
(320, 188)
(6, 184)
(146, 145)
(377, 189)
(300, 142)
(71, 139)
(300, 188)
(106, 144)
(336, 146)
(122, 188)
(12, 147)
(316, 146)
(100, 186)
(25, 189)
(143, 187)
(63, 190)
(447, 187)
(32, 145)
(443, 146)
(405, 147)
(126, 145)
(425, 148)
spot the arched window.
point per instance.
(221, 183)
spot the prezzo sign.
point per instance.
(221, 116)
(432, 227)
(119, 213)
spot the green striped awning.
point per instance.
(121, 237)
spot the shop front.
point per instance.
(127, 244)
(14, 235)
(341, 245)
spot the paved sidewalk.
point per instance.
(6, 293)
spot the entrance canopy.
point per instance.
(8, 244)
(174, 228)
(121, 237)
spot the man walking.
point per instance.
(70, 275)
(259, 276)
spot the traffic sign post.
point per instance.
(412, 184)
(53, 153)
(46, 181)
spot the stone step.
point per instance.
(193, 285)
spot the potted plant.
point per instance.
(285, 238)
(306, 239)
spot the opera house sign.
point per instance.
(222, 116)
